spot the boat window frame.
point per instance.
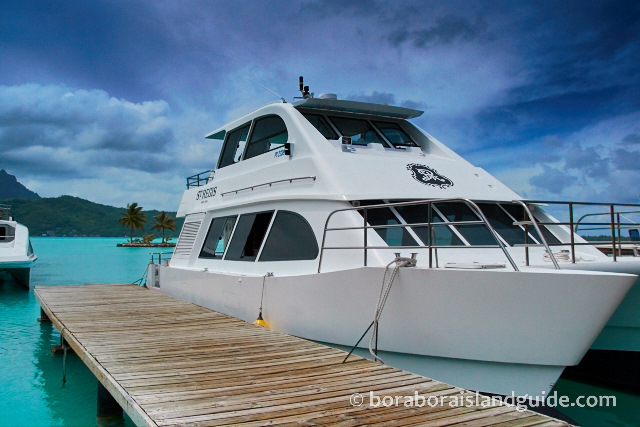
(9, 233)
(223, 156)
(240, 247)
(307, 229)
(250, 137)
(463, 234)
(220, 234)
(327, 115)
(330, 126)
(440, 223)
(382, 230)
(412, 143)
(497, 225)
(376, 133)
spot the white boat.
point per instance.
(16, 253)
(312, 200)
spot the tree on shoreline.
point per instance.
(133, 217)
(164, 222)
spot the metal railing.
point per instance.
(613, 225)
(431, 245)
(159, 257)
(200, 179)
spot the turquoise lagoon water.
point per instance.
(31, 389)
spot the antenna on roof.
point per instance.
(304, 89)
(266, 88)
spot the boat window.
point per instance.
(519, 214)
(7, 233)
(441, 233)
(503, 224)
(475, 234)
(393, 236)
(233, 146)
(360, 131)
(394, 133)
(321, 125)
(269, 133)
(217, 237)
(248, 236)
(290, 238)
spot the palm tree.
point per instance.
(164, 222)
(133, 218)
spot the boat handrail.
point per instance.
(200, 179)
(430, 224)
(253, 187)
(159, 256)
(613, 225)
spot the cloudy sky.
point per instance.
(110, 100)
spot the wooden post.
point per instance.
(108, 410)
(43, 316)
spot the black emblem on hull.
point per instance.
(429, 176)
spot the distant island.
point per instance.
(68, 216)
(141, 244)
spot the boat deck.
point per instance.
(169, 362)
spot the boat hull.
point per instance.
(496, 331)
(622, 331)
(20, 271)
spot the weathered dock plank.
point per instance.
(168, 362)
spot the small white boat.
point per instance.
(313, 203)
(16, 253)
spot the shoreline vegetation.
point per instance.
(134, 218)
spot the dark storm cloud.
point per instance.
(375, 97)
(84, 123)
(552, 180)
(446, 30)
(89, 44)
(632, 138)
(43, 165)
(626, 160)
(556, 114)
(589, 161)
(580, 63)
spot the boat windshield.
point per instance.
(361, 131)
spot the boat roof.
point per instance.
(358, 107)
(341, 106)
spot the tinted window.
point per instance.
(321, 124)
(475, 234)
(360, 131)
(233, 146)
(217, 237)
(517, 211)
(442, 234)
(503, 224)
(394, 133)
(290, 238)
(393, 236)
(268, 133)
(248, 236)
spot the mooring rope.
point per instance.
(382, 299)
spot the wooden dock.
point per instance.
(169, 362)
